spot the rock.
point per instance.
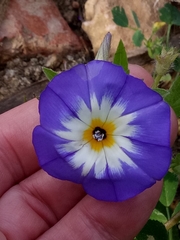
(99, 21)
(52, 61)
(31, 27)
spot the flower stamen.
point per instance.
(99, 134)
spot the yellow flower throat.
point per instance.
(99, 134)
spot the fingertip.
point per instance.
(140, 72)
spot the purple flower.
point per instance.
(104, 129)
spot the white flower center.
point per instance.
(97, 138)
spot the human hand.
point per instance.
(33, 205)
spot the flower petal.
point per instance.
(105, 80)
(118, 188)
(136, 95)
(152, 125)
(49, 159)
(72, 85)
(56, 166)
(123, 126)
(53, 111)
(151, 158)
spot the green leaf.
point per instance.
(119, 16)
(138, 37)
(169, 189)
(50, 74)
(177, 209)
(170, 14)
(166, 78)
(176, 66)
(158, 216)
(153, 230)
(136, 19)
(120, 57)
(161, 91)
(161, 208)
(175, 165)
(173, 97)
(103, 52)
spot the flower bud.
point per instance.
(164, 60)
(103, 52)
(157, 26)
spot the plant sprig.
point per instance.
(162, 224)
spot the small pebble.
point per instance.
(69, 58)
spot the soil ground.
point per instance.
(22, 78)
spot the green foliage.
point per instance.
(50, 74)
(158, 216)
(173, 96)
(166, 58)
(119, 16)
(136, 20)
(169, 189)
(175, 165)
(166, 78)
(176, 66)
(177, 209)
(154, 230)
(161, 91)
(170, 14)
(120, 57)
(161, 214)
(154, 46)
(138, 37)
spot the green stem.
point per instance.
(170, 229)
(168, 34)
(173, 221)
(145, 41)
(150, 52)
(132, 28)
(156, 81)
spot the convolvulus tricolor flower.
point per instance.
(104, 129)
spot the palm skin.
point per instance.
(33, 205)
